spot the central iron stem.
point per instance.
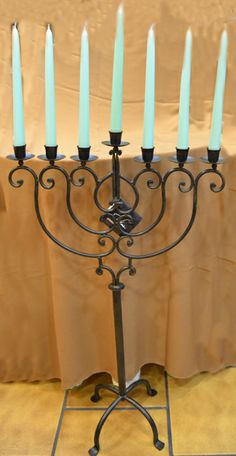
(116, 174)
(116, 289)
(117, 206)
(118, 323)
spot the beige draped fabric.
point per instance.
(179, 310)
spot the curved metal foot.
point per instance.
(93, 451)
(96, 396)
(159, 445)
(153, 392)
(150, 390)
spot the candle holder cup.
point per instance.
(147, 154)
(118, 234)
(115, 138)
(20, 152)
(213, 158)
(182, 155)
(51, 152)
(213, 155)
(83, 153)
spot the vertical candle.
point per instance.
(216, 122)
(84, 140)
(50, 108)
(149, 102)
(183, 128)
(18, 106)
(117, 82)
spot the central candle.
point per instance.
(50, 108)
(117, 82)
(84, 140)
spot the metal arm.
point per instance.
(120, 215)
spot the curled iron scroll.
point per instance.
(129, 239)
(49, 184)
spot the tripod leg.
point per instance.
(96, 396)
(150, 390)
(95, 450)
(157, 443)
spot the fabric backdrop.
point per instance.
(179, 310)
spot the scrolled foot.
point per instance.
(152, 392)
(159, 445)
(95, 398)
(142, 381)
(93, 451)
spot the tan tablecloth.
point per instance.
(179, 310)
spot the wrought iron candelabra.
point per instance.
(120, 218)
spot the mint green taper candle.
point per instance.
(117, 82)
(83, 140)
(183, 128)
(149, 102)
(18, 106)
(216, 122)
(50, 107)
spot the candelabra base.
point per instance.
(124, 397)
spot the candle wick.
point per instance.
(85, 29)
(121, 8)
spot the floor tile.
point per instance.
(80, 396)
(29, 415)
(126, 433)
(203, 414)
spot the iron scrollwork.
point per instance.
(121, 220)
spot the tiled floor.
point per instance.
(194, 417)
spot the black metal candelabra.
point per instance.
(120, 218)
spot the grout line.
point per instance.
(63, 408)
(81, 409)
(168, 416)
(208, 454)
